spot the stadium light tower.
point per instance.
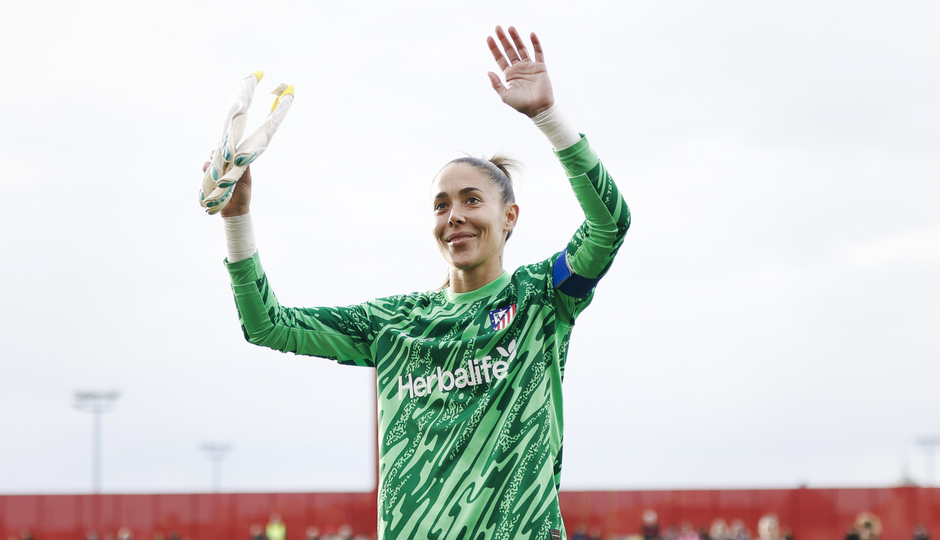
(96, 403)
(930, 446)
(216, 453)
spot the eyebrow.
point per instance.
(463, 191)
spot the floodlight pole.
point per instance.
(216, 453)
(930, 446)
(96, 403)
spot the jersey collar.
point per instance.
(487, 290)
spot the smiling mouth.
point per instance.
(460, 239)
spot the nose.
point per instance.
(456, 216)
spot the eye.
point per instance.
(473, 200)
(438, 206)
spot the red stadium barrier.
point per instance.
(191, 516)
(812, 514)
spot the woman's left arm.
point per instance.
(528, 89)
(591, 250)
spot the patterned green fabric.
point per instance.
(469, 385)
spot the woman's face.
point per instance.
(470, 219)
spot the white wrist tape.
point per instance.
(239, 237)
(555, 126)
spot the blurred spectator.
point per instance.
(650, 528)
(125, 533)
(313, 533)
(671, 533)
(719, 529)
(852, 533)
(344, 533)
(739, 531)
(768, 527)
(276, 530)
(920, 532)
(26, 535)
(254, 531)
(703, 533)
(91, 535)
(596, 534)
(868, 526)
(686, 532)
(580, 533)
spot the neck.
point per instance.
(471, 279)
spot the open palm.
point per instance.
(528, 88)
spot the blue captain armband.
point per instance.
(567, 281)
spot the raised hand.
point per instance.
(230, 160)
(240, 199)
(528, 88)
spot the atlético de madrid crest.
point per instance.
(500, 318)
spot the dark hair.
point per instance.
(499, 169)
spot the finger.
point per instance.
(520, 45)
(497, 85)
(537, 47)
(497, 54)
(507, 45)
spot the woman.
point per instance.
(469, 376)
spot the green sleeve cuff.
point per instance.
(578, 158)
(246, 270)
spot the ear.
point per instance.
(512, 216)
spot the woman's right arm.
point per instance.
(341, 333)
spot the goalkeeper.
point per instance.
(469, 377)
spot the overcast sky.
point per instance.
(772, 320)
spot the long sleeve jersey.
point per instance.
(469, 384)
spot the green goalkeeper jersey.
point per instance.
(469, 384)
